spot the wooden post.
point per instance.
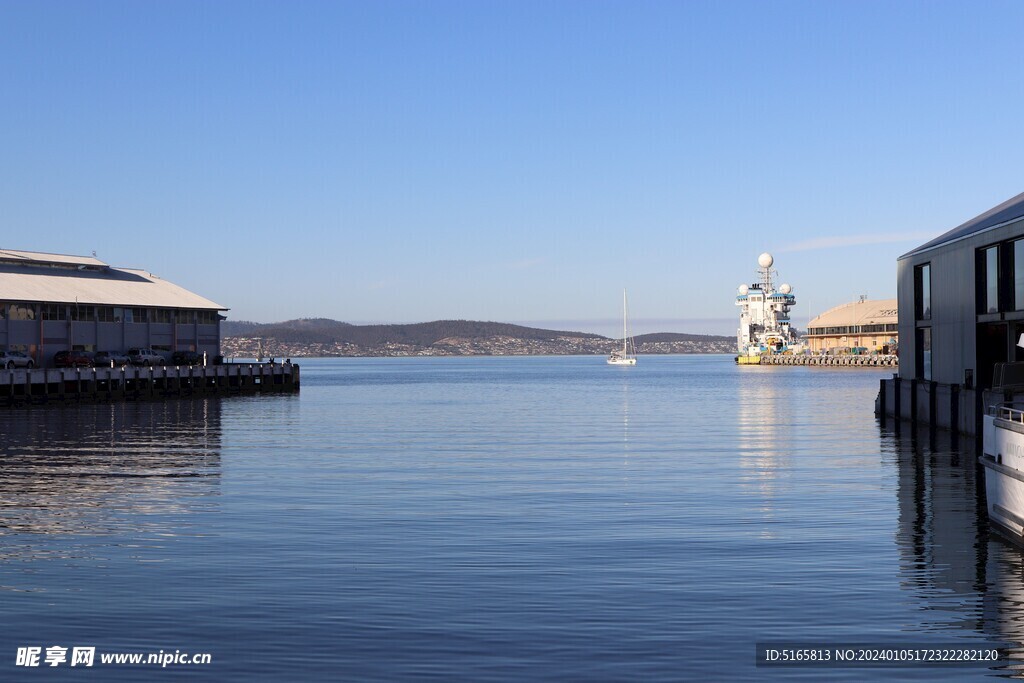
(881, 400)
(913, 401)
(897, 402)
(954, 413)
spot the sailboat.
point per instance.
(627, 356)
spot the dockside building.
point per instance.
(54, 302)
(868, 325)
(961, 311)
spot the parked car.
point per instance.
(139, 356)
(15, 359)
(72, 359)
(186, 358)
(105, 358)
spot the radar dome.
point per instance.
(743, 289)
(785, 289)
(765, 260)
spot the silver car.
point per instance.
(15, 359)
(142, 356)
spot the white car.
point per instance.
(15, 359)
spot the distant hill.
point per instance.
(669, 337)
(237, 328)
(245, 328)
(321, 337)
(325, 331)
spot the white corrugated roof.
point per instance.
(880, 312)
(38, 257)
(31, 280)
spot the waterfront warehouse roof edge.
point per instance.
(44, 258)
(56, 278)
(864, 312)
(1008, 211)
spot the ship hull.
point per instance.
(1004, 476)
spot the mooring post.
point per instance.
(897, 401)
(881, 399)
(954, 412)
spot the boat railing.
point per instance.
(1009, 412)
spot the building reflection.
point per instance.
(104, 469)
(941, 530)
(966, 580)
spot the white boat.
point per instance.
(1003, 450)
(1004, 469)
(627, 356)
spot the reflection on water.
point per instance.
(500, 519)
(964, 578)
(941, 532)
(625, 420)
(763, 449)
(99, 470)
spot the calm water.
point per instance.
(496, 519)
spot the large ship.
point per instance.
(764, 315)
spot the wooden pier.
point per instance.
(87, 385)
(879, 360)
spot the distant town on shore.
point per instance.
(321, 337)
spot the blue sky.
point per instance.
(514, 161)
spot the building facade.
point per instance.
(869, 326)
(54, 302)
(961, 300)
(961, 311)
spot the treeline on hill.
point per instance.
(325, 331)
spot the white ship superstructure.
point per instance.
(764, 313)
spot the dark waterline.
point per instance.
(497, 519)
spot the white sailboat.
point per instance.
(627, 356)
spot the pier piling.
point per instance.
(47, 386)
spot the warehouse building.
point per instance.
(865, 326)
(53, 302)
(961, 311)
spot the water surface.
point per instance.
(497, 519)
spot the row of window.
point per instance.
(854, 329)
(106, 314)
(999, 280)
(1000, 277)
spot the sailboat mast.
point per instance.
(625, 353)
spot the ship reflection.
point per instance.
(104, 469)
(761, 445)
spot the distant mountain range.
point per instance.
(325, 337)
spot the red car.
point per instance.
(72, 359)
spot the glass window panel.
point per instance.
(923, 292)
(22, 312)
(992, 280)
(1018, 275)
